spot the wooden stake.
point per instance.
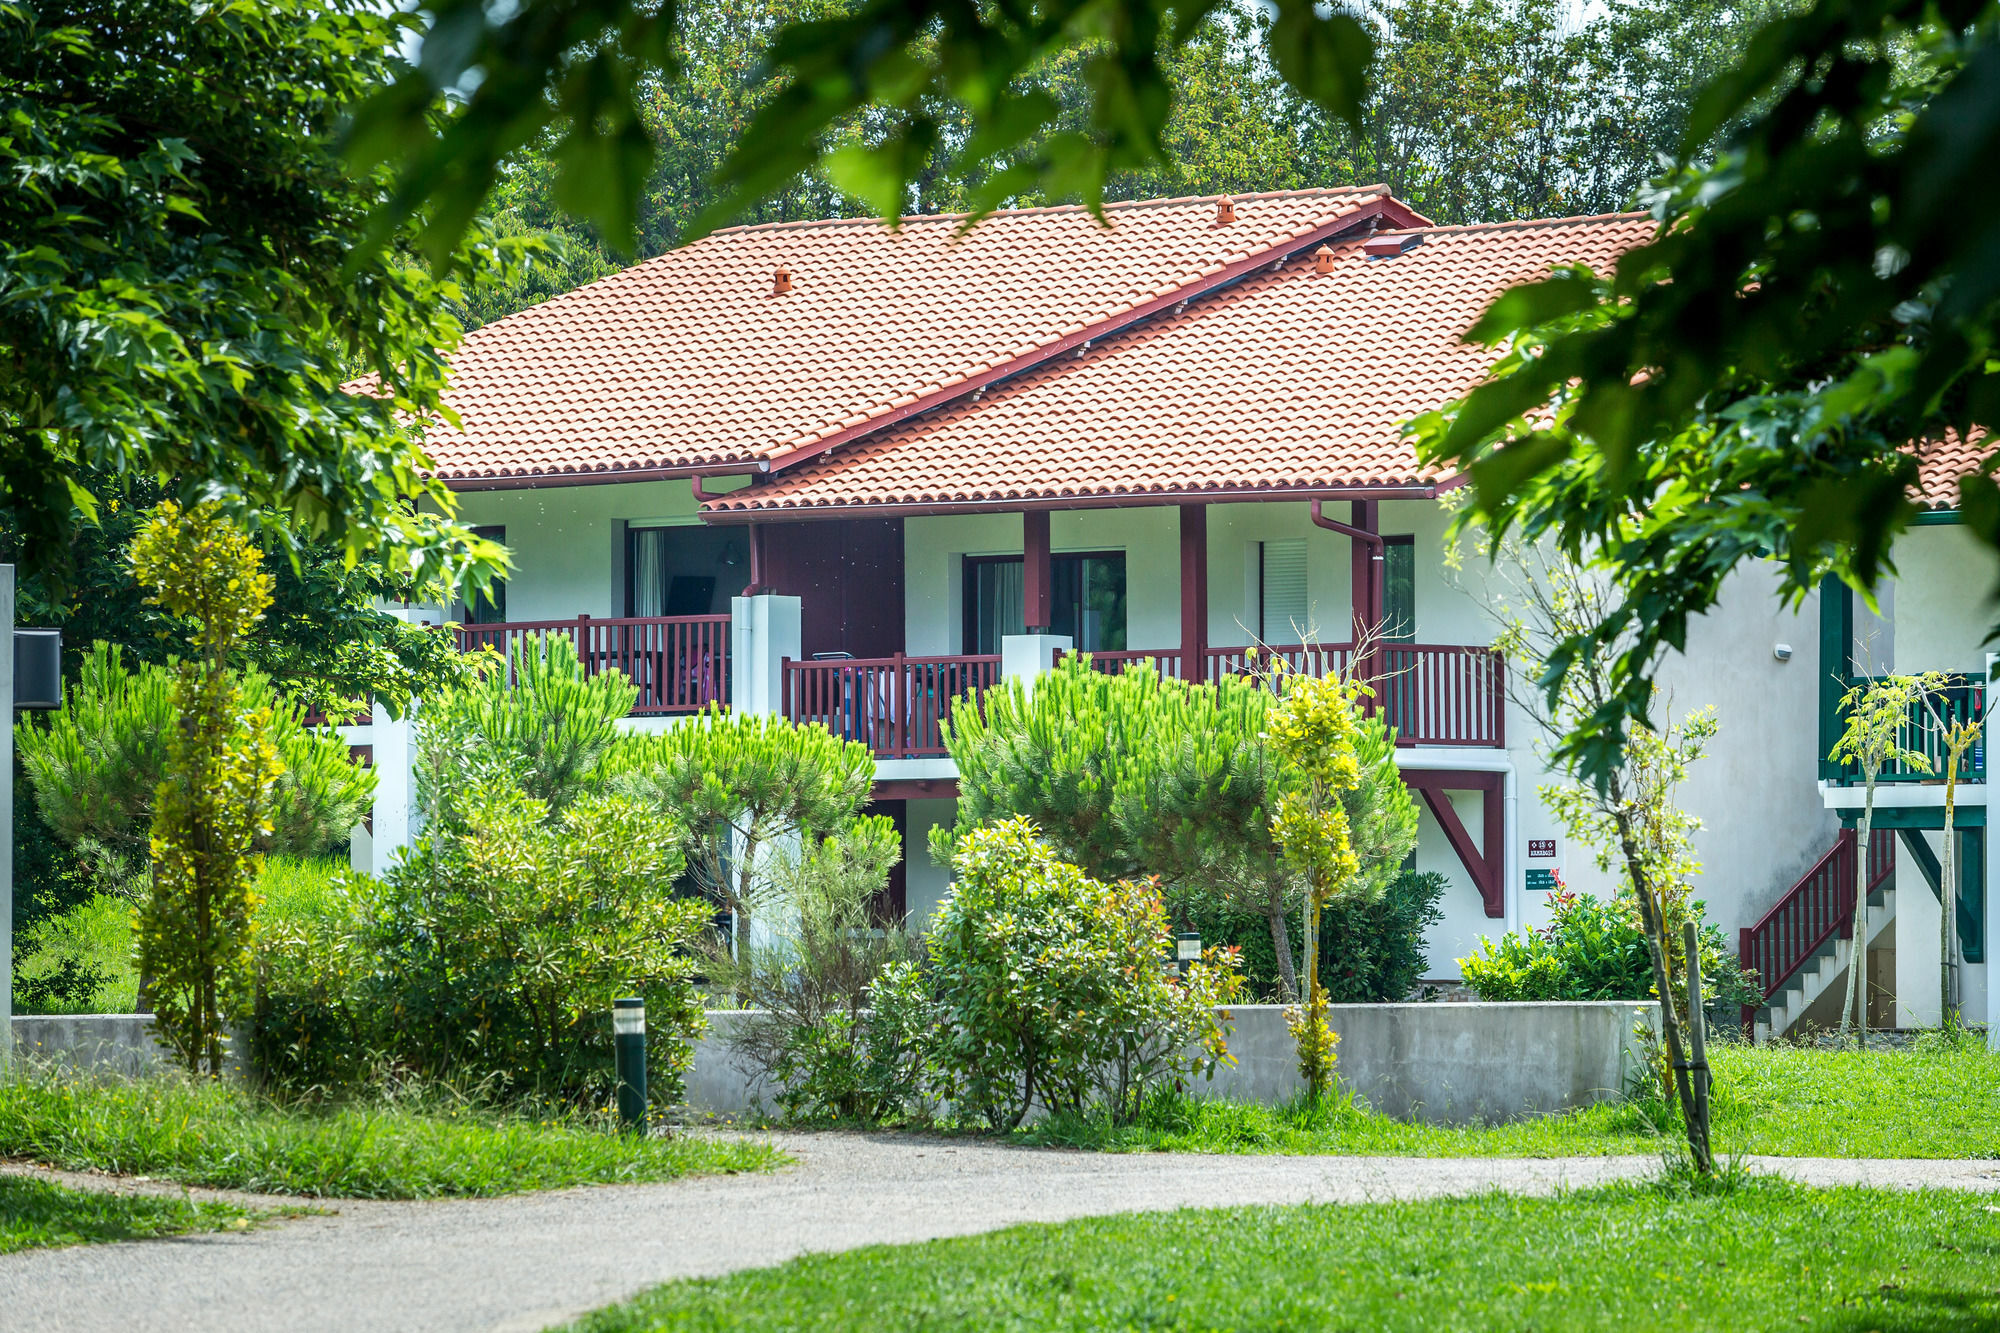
(1697, 1034)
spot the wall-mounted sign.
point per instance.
(1541, 847)
(1541, 881)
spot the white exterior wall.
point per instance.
(568, 541)
(924, 882)
(1757, 791)
(934, 549)
(1943, 600)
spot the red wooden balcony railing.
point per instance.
(1444, 694)
(894, 705)
(1432, 694)
(679, 663)
(1166, 661)
(1810, 912)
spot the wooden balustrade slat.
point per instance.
(680, 664)
(895, 705)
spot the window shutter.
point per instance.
(1284, 616)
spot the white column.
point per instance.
(395, 760)
(1026, 656)
(763, 631)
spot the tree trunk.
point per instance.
(1855, 1004)
(1288, 979)
(1947, 936)
(1653, 920)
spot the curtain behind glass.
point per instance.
(1002, 602)
(649, 571)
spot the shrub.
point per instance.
(1369, 952)
(740, 784)
(1049, 987)
(810, 984)
(78, 961)
(1590, 950)
(314, 1025)
(97, 763)
(498, 948)
(541, 725)
(1130, 774)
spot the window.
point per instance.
(682, 570)
(1086, 600)
(1399, 589)
(1284, 616)
(488, 607)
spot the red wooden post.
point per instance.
(1035, 572)
(899, 719)
(1194, 591)
(1746, 948)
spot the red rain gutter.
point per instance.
(537, 480)
(1374, 539)
(1125, 500)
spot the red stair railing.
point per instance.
(1821, 903)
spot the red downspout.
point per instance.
(1367, 590)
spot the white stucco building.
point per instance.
(854, 475)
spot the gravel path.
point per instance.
(532, 1260)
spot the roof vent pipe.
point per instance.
(1225, 211)
(1323, 259)
(781, 281)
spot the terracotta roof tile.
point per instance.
(1940, 463)
(691, 360)
(1290, 378)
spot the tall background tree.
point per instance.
(1476, 111)
(181, 301)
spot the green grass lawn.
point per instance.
(1933, 1101)
(218, 1135)
(1765, 1256)
(37, 1213)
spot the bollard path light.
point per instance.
(628, 1042)
(1187, 948)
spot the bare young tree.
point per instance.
(1958, 731)
(1879, 711)
(1548, 602)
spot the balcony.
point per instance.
(894, 705)
(1923, 732)
(679, 663)
(1432, 694)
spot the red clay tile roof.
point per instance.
(690, 361)
(1940, 464)
(1289, 379)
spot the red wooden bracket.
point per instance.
(1486, 862)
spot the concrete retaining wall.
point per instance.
(114, 1043)
(1449, 1064)
(1439, 1063)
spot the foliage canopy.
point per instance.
(180, 301)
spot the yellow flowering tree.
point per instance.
(1314, 731)
(215, 801)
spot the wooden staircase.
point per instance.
(1795, 949)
